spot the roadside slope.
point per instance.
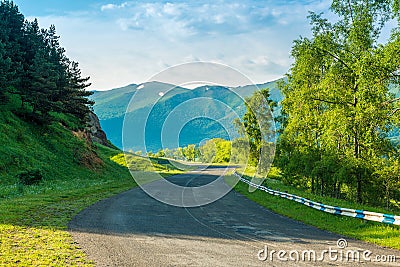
(75, 173)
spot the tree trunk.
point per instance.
(359, 188)
(322, 187)
(312, 185)
(338, 190)
(358, 170)
(357, 155)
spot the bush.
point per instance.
(30, 177)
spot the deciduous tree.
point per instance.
(337, 97)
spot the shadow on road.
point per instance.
(231, 217)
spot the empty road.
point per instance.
(133, 229)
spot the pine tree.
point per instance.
(5, 64)
(11, 35)
(42, 78)
(75, 97)
(39, 79)
(34, 65)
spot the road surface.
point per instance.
(133, 229)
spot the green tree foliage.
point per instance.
(216, 151)
(11, 32)
(178, 153)
(190, 152)
(75, 100)
(5, 64)
(34, 67)
(387, 178)
(160, 153)
(208, 151)
(337, 100)
(240, 151)
(258, 129)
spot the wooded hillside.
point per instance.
(35, 71)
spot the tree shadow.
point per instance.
(232, 217)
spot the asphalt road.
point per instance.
(133, 229)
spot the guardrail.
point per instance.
(361, 214)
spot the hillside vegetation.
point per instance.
(113, 103)
(74, 174)
(49, 168)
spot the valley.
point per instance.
(111, 106)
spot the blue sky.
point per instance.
(123, 42)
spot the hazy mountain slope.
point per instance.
(113, 103)
(201, 103)
(274, 91)
(217, 103)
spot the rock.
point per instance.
(95, 132)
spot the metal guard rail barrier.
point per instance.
(361, 214)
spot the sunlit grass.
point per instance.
(38, 246)
(33, 224)
(33, 219)
(373, 232)
(138, 164)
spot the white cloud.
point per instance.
(172, 9)
(132, 41)
(108, 7)
(113, 6)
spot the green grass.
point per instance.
(33, 219)
(33, 224)
(373, 232)
(163, 166)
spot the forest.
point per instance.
(35, 73)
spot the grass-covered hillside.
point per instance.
(50, 169)
(74, 174)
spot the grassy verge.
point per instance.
(33, 224)
(378, 233)
(34, 218)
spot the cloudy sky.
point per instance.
(121, 42)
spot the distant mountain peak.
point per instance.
(112, 107)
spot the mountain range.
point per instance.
(157, 115)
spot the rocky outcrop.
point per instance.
(95, 132)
